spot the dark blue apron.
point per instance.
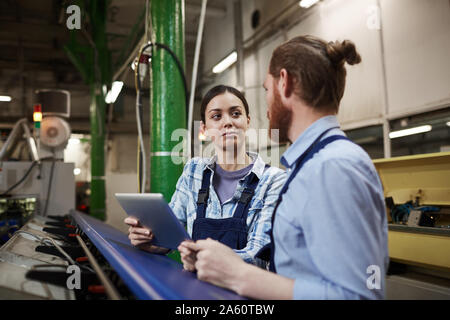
(267, 253)
(229, 231)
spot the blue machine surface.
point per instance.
(148, 276)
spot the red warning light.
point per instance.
(37, 114)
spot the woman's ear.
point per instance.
(248, 120)
(202, 128)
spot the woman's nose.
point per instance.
(227, 121)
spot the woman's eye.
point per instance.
(216, 116)
(236, 114)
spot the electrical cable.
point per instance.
(61, 250)
(38, 237)
(21, 180)
(42, 240)
(141, 151)
(141, 167)
(177, 63)
(198, 45)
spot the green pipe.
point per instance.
(94, 63)
(168, 110)
(97, 116)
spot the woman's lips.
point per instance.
(229, 134)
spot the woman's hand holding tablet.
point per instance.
(141, 236)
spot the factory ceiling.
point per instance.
(33, 34)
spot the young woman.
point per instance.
(229, 197)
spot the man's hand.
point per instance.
(141, 237)
(188, 256)
(216, 263)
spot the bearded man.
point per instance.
(329, 228)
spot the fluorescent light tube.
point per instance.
(112, 95)
(410, 131)
(307, 3)
(225, 63)
(5, 98)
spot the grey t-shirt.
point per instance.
(225, 182)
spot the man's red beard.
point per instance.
(280, 118)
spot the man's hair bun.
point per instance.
(341, 52)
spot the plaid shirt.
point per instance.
(271, 180)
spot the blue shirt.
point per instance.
(330, 228)
(259, 218)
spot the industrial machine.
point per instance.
(77, 257)
(417, 191)
(42, 183)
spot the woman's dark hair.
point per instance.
(316, 67)
(218, 90)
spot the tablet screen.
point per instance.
(153, 212)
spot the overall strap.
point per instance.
(319, 146)
(307, 155)
(203, 194)
(251, 182)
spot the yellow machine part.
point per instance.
(426, 178)
(420, 249)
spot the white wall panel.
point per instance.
(251, 71)
(218, 39)
(417, 52)
(347, 19)
(416, 36)
(264, 55)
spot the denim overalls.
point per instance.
(229, 231)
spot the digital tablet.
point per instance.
(153, 212)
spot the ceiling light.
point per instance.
(225, 63)
(76, 171)
(112, 95)
(448, 124)
(410, 131)
(5, 98)
(307, 3)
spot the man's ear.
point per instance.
(285, 84)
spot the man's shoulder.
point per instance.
(345, 152)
